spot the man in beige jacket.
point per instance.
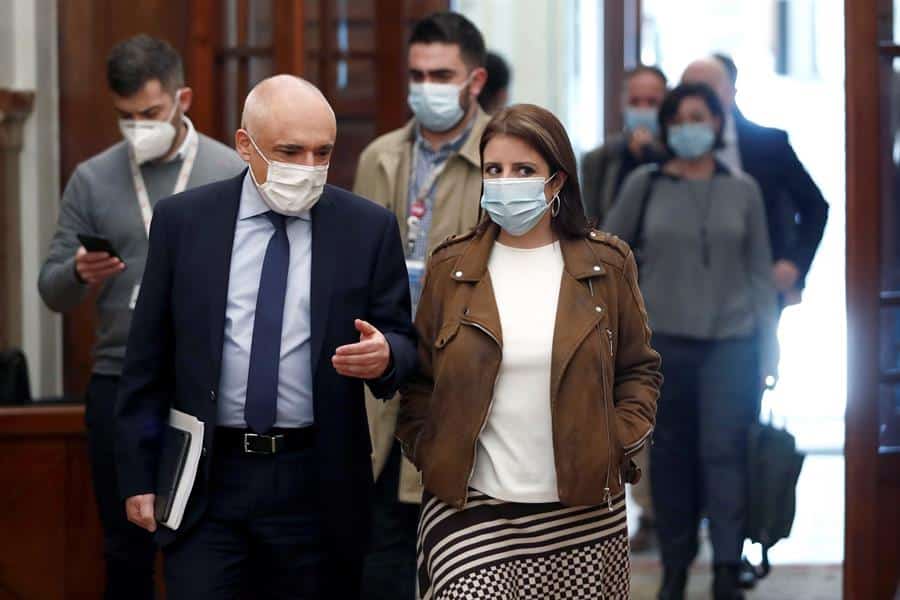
(429, 173)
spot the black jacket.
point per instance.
(174, 351)
(604, 170)
(795, 209)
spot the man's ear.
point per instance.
(242, 144)
(185, 99)
(479, 78)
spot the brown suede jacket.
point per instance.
(604, 378)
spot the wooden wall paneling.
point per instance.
(243, 26)
(201, 70)
(622, 21)
(88, 29)
(52, 546)
(887, 583)
(863, 126)
(30, 553)
(289, 45)
(84, 536)
(390, 56)
(326, 49)
(613, 64)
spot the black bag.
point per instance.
(773, 468)
(14, 386)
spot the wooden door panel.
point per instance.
(872, 448)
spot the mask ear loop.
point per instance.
(556, 203)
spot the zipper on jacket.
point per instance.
(609, 337)
(487, 412)
(607, 494)
(606, 491)
(640, 442)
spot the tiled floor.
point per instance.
(806, 565)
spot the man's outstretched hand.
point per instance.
(367, 359)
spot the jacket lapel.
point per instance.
(324, 250)
(471, 268)
(579, 312)
(221, 225)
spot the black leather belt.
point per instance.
(273, 442)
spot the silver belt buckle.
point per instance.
(272, 439)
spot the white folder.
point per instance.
(194, 427)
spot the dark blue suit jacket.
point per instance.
(795, 209)
(175, 347)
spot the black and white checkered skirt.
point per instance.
(500, 550)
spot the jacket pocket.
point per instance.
(446, 335)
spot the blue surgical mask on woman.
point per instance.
(691, 140)
(516, 204)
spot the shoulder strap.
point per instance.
(652, 176)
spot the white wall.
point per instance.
(28, 53)
(554, 48)
(7, 44)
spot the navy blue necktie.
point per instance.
(265, 349)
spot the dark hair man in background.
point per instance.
(605, 168)
(112, 196)
(495, 94)
(796, 211)
(428, 173)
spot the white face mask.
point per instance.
(290, 189)
(436, 105)
(150, 140)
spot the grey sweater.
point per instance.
(100, 200)
(722, 291)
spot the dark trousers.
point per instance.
(389, 572)
(128, 550)
(708, 400)
(260, 537)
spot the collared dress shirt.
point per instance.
(251, 237)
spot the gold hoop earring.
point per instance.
(555, 205)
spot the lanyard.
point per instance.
(424, 190)
(140, 189)
(420, 205)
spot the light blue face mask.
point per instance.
(516, 204)
(436, 105)
(691, 140)
(641, 118)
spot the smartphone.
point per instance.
(97, 244)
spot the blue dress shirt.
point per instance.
(251, 236)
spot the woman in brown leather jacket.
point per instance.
(537, 384)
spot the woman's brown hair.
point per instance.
(541, 130)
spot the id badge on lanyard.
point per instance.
(143, 199)
(415, 222)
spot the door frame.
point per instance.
(872, 480)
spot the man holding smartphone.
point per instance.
(101, 241)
